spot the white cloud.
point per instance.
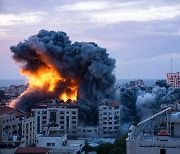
(136, 14)
(26, 18)
(87, 6)
(113, 12)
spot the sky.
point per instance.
(142, 35)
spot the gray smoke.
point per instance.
(87, 63)
(141, 102)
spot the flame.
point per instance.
(43, 77)
(69, 95)
(47, 77)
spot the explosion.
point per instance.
(47, 77)
(55, 67)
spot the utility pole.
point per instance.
(171, 64)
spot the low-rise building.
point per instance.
(87, 131)
(158, 134)
(136, 83)
(58, 142)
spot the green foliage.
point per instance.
(105, 148)
(117, 150)
(118, 147)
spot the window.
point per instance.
(61, 122)
(162, 151)
(73, 112)
(116, 127)
(73, 122)
(73, 117)
(48, 144)
(61, 117)
(53, 144)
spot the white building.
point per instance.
(16, 127)
(109, 119)
(158, 134)
(174, 79)
(27, 124)
(64, 115)
(58, 142)
(87, 131)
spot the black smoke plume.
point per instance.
(87, 63)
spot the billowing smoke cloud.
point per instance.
(141, 102)
(86, 63)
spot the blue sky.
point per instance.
(141, 35)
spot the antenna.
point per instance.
(171, 64)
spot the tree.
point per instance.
(104, 148)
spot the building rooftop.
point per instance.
(47, 105)
(163, 133)
(32, 150)
(4, 110)
(115, 104)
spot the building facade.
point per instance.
(109, 119)
(173, 79)
(158, 134)
(27, 128)
(63, 115)
(16, 127)
(136, 83)
(8, 125)
(87, 131)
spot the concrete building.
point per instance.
(16, 127)
(87, 131)
(15, 90)
(64, 115)
(158, 134)
(109, 119)
(136, 83)
(58, 142)
(27, 125)
(173, 79)
(8, 124)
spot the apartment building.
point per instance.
(173, 79)
(109, 119)
(8, 124)
(158, 134)
(54, 113)
(15, 126)
(27, 130)
(136, 83)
